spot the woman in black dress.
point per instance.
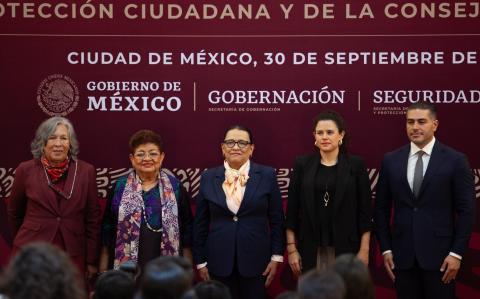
(329, 201)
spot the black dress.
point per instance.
(325, 180)
(347, 216)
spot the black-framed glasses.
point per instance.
(230, 143)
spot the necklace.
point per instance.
(326, 195)
(58, 191)
(144, 212)
(159, 230)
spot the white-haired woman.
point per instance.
(54, 197)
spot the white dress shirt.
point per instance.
(413, 157)
(412, 160)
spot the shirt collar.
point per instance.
(427, 149)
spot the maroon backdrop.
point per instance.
(41, 75)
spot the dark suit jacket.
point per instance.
(252, 237)
(36, 213)
(439, 221)
(352, 206)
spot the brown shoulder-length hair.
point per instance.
(41, 270)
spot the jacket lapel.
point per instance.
(71, 176)
(402, 167)
(220, 197)
(254, 179)
(48, 194)
(309, 176)
(70, 182)
(343, 174)
(435, 161)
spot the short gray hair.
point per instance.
(46, 129)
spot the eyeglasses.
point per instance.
(230, 143)
(143, 155)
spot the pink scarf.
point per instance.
(234, 185)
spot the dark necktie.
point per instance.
(418, 174)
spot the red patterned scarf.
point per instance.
(55, 173)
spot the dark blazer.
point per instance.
(440, 220)
(37, 213)
(251, 236)
(351, 212)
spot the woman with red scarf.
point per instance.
(54, 197)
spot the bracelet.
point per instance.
(292, 252)
(291, 243)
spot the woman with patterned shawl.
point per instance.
(148, 212)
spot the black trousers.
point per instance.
(417, 283)
(244, 287)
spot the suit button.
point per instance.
(235, 218)
(415, 209)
